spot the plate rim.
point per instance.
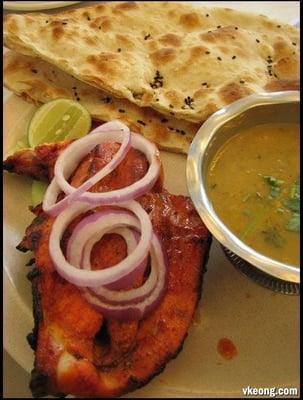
(40, 5)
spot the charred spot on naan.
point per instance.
(171, 39)
(191, 20)
(126, 6)
(233, 91)
(163, 56)
(278, 85)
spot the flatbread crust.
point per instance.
(39, 82)
(173, 57)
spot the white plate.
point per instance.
(36, 5)
(263, 325)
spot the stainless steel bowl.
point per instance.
(249, 111)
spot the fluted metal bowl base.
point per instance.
(260, 277)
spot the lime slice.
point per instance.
(58, 120)
(38, 190)
(21, 144)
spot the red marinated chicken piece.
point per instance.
(77, 351)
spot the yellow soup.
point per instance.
(254, 185)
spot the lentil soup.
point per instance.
(254, 185)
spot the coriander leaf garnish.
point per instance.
(272, 236)
(293, 204)
(294, 223)
(275, 185)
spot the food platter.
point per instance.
(256, 320)
(231, 306)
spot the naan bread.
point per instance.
(174, 57)
(39, 82)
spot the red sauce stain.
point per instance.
(226, 349)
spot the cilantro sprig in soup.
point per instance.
(254, 185)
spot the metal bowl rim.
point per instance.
(198, 193)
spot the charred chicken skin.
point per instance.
(77, 350)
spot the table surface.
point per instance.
(15, 378)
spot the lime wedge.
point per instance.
(38, 190)
(58, 120)
(21, 144)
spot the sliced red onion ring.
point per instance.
(91, 229)
(143, 308)
(73, 154)
(132, 191)
(84, 278)
(94, 227)
(132, 276)
(129, 235)
(86, 227)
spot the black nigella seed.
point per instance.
(78, 98)
(121, 111)
(141, 122)
(178, 130)
(147, 37)
(182, 132)
(188, 101)
(207, 15)
(233, 57)
(171, 106)
(171, 128)
(88, 18)
(34, 71)
(64, 23)
(74, 88)
(204, 84)
(257, 40)
(119, 50)
(207, 52)
(219, 26)
(219, 58)
(157, 99)
(46, 21)
(158, 81)
(241, 81)
(172, 113)
(163, 120)
(236, 28)
(278, 26)
(294, 43)
(106, 99)
(99, 27)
